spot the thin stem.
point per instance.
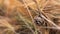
(30, 14)
(24, 21)
(49, 21)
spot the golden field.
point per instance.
(29, 16)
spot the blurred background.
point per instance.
(29, 16)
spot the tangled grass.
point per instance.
(29, 17)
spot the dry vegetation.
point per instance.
(29, 16)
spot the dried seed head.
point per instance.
(39, 20)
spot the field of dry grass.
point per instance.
(29, 16)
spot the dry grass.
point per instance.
(29, 17)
